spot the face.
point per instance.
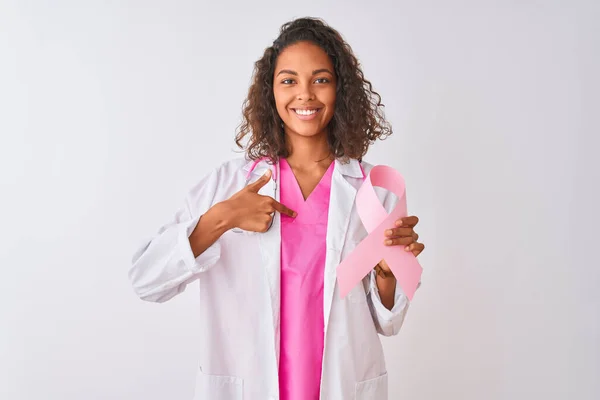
(304, 86)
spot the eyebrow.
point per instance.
(316, 71)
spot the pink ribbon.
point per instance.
(372, 249)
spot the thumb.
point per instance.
(262, 181)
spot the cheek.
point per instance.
(279, 106)
(329, 98)
(281, 101)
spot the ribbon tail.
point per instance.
(407, 271)
(356, 266)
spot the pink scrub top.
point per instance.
(303, 248)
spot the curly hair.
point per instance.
(358, 118)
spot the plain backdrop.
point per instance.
(111, 110)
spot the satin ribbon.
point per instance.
(372, 249)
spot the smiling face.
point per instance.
(304, 86)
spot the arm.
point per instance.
(387, 302)
(386, 286)
(182, 248)
(388, 320)
(209, 229)
(189, 245)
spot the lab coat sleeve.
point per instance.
(387, 322)
(165, 264)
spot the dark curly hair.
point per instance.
(358, 118)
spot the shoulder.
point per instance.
(220, 180)
(226, 169)
(232, 164)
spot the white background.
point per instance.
(111, 111)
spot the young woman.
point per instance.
(263, 234)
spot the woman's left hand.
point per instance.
(403, 234)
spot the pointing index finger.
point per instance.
(283, 209)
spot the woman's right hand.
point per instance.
(251, 211)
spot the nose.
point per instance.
(305, 92)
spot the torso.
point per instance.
(309, 179)
(303, 256)
(241, 354)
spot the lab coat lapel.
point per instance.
(341, 203)
(270, 249)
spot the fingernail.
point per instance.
(399, 223)
(407, 248)
(388, 232)
(294, 214)
(388, 242)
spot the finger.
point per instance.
(399, 232)
(404, 241)
(409, 222)
(260, 182)
(415, 248)
(263, 223)
(282, 209)
(415, 236)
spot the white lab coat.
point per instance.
(238, 278)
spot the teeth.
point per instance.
(305, 112)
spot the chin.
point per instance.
(305, 131)
(308, 134)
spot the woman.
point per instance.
(264, 253)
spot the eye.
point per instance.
(287, 81)
(322, 80)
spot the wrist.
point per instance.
(383, 272)
(221, 217)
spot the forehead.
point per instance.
(303, 56)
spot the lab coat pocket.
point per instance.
(373, 389)
(218, 387)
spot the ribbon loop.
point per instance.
(371, 250)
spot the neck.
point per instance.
(308, 152)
